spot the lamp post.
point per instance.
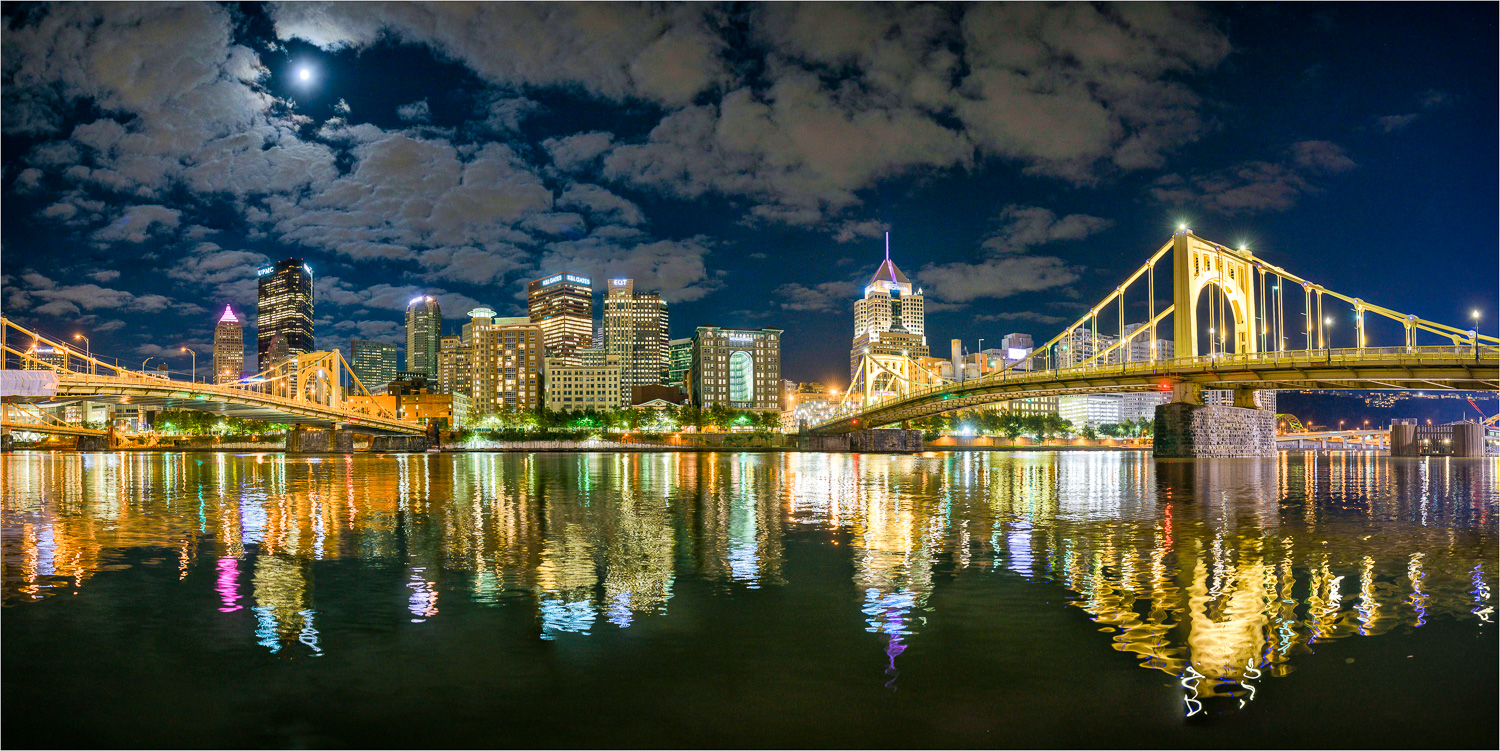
(195, 363)
(143, 363)
(87, 350)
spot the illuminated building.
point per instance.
(1081, 345)
(737, 368)
(374, 363)
(1139, 348)
(890, 319)
(679, 361)
(229, 348)
(508, 365)
(595, 385)
(635, 327)
(46, 357)
(424, 326)
(1090, 409)
(564, 306)
(284, 308)
(455, 366)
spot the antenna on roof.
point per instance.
(887, 245)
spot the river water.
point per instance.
(748, 600)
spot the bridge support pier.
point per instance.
(1189, 428)
(398, 443)
(7, 443)
(93, 443)
(319, 441)
(865, 441)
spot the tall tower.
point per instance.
(635, 329)
(563, 304)
(229, 348)
(424, 327)
(890, 319)
(284, 307)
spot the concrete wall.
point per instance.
(398, 443)
(1210, 431)
(885, 440)
(319, 441)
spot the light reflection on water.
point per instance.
(1221, 574)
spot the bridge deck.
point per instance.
(224, 400)
(1426, 368)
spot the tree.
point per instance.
(718, 416)
(1011, 425)
(1035, 426)
(688, 415)
(1090, 433)
(770, 420)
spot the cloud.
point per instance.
(578, 151)
(138, 223)
(45, 296)
(107, 275)
(666, 54)
(231, 273)
(332, 290)
(851, 230)
(827, 296)
(1429, 100)
(1023, 315)
(601, 203)
(1005, 269)
(674, 268)
(415, 112)
(1256, 186)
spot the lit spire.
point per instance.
(228, 316)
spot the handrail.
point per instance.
(1398, 355)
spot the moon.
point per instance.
(304, 74)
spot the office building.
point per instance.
(424, 327)
(455, 368)
(1090, 409)
(635, 330)
(1016, 351)
(229, 348)
(890, 319)
(1034, 405)
(679, 361)
(563, 304)
(1142, 404)
(284, 308)
(1081, 345)
(374, 363)
(45, 357)
(736, 368)
(507, 365)
(580, 386)
(1139, 348)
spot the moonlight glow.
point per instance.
(303, 74)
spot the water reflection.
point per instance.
(1220, 574)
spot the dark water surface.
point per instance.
(609, 600)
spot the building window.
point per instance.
(741, 377)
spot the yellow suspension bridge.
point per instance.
(1250, 346)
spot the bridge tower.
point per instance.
(1197, 264)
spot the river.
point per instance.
(962, 599)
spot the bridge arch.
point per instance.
(1196, 265)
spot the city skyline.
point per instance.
(1230, 123)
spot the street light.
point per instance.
(87, 351)
(143, 363)
(194, 363)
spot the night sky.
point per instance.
(743, 160)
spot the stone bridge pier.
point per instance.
(302, 440)
(1186, 427)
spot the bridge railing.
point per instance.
(1167, 367)
(196, 389)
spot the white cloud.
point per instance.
(417, 112)
(1004, 268)
(1256, 186)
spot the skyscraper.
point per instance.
(507, 357)
(890, 319)
(635, 330)
(374, 363)
(424, 327)
(284, 307)
(679, 361)
(563, 304)
(229, 348)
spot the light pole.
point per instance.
(143, 363)
(195, 363)
(87, 350)
(1328, 340)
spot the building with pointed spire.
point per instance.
(229, 348)
(890, 319)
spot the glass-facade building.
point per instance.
(563, 305)
(736, 368)
(284, 310)
(679, 361)
(374, 363)
(424, 328)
